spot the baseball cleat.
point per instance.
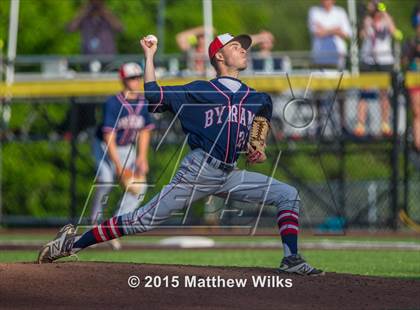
(60, 247)
(297, 265)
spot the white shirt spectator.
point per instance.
(329, 49)
(377, 43)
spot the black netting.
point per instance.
(346, 178)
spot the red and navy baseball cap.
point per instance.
(223, 39)
(130, 70)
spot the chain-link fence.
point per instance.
(346, 177)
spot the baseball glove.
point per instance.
(133, 182)
(257, 140)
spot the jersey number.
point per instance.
(241, 140)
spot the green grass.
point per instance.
(43, 237)
(402, 264)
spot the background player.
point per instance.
(126, 126)
(218, 117)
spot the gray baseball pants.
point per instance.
(197, 178)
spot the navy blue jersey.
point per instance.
(203, 108)
(125, 118)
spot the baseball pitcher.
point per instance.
(222, 118)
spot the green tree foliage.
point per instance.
(42, 27)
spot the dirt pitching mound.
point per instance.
(105, 285)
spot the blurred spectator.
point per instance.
(411, 62)
(329, 27)
(191, 41)
(376, 56)
(98, 27)
(263, 60)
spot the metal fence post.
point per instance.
(73, 155)
(2, 128)
(342, 164)
(406, 149)
(395, 80)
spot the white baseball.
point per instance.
(151, 39)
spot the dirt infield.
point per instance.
(104, 285)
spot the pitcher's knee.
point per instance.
(293, 193)
(288, 198)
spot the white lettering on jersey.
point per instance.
(214, 116)
(234, 114)
(219, 113)
(131, 122)
(209, 118)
